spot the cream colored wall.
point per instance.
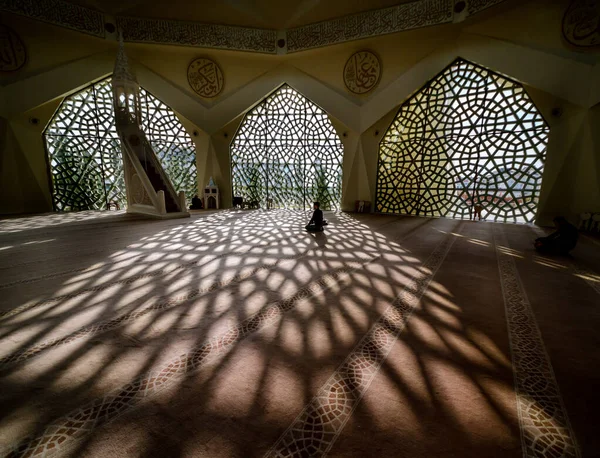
(238, 67)
(535, 24)
(571, 183)
(520, 38)
(49, 47)
(397, 53)
(220, 159)
(24, 181)
(201, 142)
(586, 189)
(14, 170)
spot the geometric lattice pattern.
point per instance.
(85, 156)
(545, 428)
(163, 304)
(286, 152)
(468, 137)
(318, 426)
(76, 425)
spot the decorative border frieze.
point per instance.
(159, 31)
(398, 18)
(406, 16)
(58, 12)
(475, 6)
(316, 429)
(545, 428)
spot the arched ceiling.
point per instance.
(270, 14)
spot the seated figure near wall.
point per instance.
(238, 202)
(196, 203)
(560, 242)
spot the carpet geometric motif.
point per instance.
(68, 429)
(545, 428)
(317, 427)
(286, 151)
(84, 150)
(468, 137)
(165, 303)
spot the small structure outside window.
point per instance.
(211, 195)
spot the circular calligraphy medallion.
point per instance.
(205, 77)
(12, 50)
(362, 72)
(581, 23)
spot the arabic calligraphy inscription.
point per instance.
(362, 72)
(205, 77)
(581, 23)
(12, 50)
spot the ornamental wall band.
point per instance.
(59, 13)
(475, 6)
(159, 31)
(372, 23)
(407, 16)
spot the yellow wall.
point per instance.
(49, 47)
(522, 39)
(24, 180)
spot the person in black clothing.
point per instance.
(560, 242)
(316, 223)
(196, 203)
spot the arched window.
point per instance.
(468, 137)
(287, 154)
(84, 150)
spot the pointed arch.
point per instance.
(286, 153)
(84, 150)
(469, 137)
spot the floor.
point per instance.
(237, 334)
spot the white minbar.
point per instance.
(211, 195)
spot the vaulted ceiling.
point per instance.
(270, 14)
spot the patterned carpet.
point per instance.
(237, 334)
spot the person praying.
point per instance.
(316, 222)
(196, 203)
(560, 242)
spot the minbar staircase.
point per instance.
(149, 190)
(158, 184)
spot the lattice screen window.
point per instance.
(287, 152)
(468, 137)
(84, 150)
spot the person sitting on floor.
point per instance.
(316, 223)
(560, 242)
(196, 203)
